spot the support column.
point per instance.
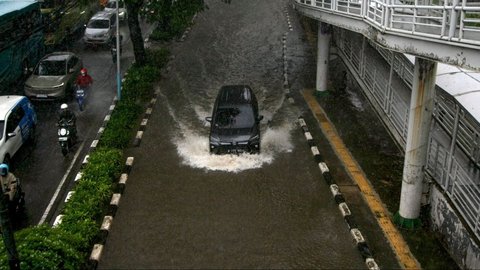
(420, 117)
(323, 51)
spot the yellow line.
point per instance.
(400, 247)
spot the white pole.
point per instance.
(119, 82)
(419, 119)
(323, 52)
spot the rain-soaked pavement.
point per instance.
(42, 167)
(184, 208)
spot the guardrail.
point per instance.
(453, 21)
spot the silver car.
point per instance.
(100, 28)
(54, 76)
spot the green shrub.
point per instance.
(179, 17)
(43, 247)
(138, 85)
(120, 129)
(157, 58)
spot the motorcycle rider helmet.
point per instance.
(64, 106)
(3, 169)
(83, 71)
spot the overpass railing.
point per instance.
(451, 20)
(453, 160)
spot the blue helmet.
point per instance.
(3, 169)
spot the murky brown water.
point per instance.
(184, 208)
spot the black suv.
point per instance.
(234, 122)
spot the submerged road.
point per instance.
(185, 208)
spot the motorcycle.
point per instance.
(113, 51)
(113, 48)
(80, 96)
(66, 135)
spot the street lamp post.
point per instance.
(119, 82)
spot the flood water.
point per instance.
(185, 208)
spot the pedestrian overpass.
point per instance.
(430, 109)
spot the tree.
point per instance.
(133, 10)
(172, 17)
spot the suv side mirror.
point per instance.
(260, 118)
(11, 134)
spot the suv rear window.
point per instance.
(98, 24)
(235, 117)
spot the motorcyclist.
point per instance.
(68, 117)
(113, 48)
(8, 181)
(84, 80)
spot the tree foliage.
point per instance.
(172, 16)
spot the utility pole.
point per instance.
(7, 233)
(119, 81)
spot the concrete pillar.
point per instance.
(323, 51)
(419, 120)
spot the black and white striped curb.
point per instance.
(185, 33)
(143, 124)
(360, 241)
(97, 249)
(288, 19)
(286, 85)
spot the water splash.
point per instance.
(194, 150)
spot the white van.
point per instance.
(111, 6)
(17, 125)
(100, 28)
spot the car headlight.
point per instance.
(214, 140)
(59, 85)
(254, 138)
(62, 132)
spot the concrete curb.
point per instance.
(143, 124)
(97, 249)
(357, 236)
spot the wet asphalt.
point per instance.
(183, 208)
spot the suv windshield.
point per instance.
(51, 68)
(235, 117)
(98, 24)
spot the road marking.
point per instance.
(399, 246)
(55, 195)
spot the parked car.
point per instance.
(54, 76)
(111, 6)
(235, 121)
(100, 28)
(17, 124)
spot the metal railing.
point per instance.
(455, 171)
(457, 183)
(377, 82)
(453, 20)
